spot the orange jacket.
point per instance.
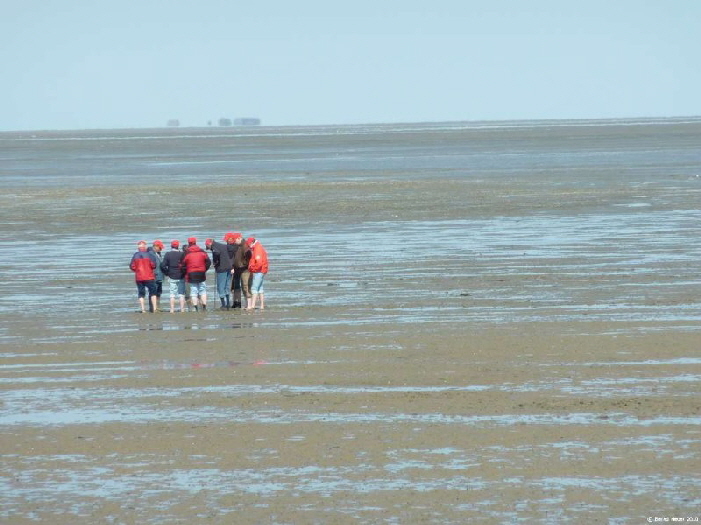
(259, 259)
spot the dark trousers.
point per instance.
(241, 283)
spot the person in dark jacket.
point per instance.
(143, 264)
(157, 250)
(242, 277)
(171, 269)
(222, 267)
(195, 265)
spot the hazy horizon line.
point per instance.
(240, 127)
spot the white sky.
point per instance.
(71, 64)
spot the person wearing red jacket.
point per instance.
(143, 264)
(195, 265)
(258, 266)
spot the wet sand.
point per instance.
(517, 344)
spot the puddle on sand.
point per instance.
(173, 365)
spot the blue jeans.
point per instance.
(198, 289)
(223, 284)
(177, 287)
(257, 283)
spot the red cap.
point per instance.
(158, 242)
(250, 241)
(192, 240)
(174, 243)
(228, 235)
(236, 235)
(208, 242)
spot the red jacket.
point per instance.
(143, 265)
(259, 259)
(195, 264)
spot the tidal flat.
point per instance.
(466, 322)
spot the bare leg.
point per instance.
(262, 301)
(154, 303)
(182, 303)
(142, 303)
(172, 304)
(245, 289)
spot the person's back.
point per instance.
(170, 266)
(195, 264)
(156, 250)
(143, 264)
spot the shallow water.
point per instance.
(508, 270)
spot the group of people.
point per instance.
(240, 267)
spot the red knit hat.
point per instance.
(208, 242)
(192, 240)
(158, 242)
(174, 243)
(250, 241)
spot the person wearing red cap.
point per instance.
(171, 267)
(241, 282)
(143, 264)
(156, 249)
(222, 268)
(195, 265)
(258, 266)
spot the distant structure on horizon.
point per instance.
(247, 122)
(223, 122)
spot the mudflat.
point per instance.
(464, 324)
